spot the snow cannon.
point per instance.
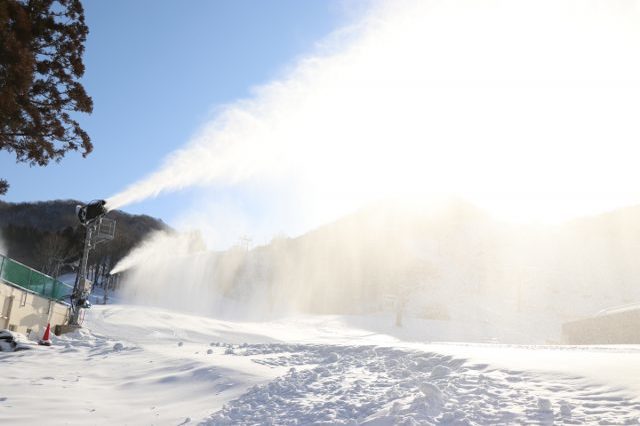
(92, 211)
(99, 229)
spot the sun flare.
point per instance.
(529, 111)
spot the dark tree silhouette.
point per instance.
(36, 233)
(41, 47)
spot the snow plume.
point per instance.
(174, 270)
(445, 261)
(528, 109)
(488, 100)
(161, 246)
(169, 268)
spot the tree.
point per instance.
(408, 278)
(51, 251)
(41, 48)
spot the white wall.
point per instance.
(23, 311)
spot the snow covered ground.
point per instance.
(140, 365)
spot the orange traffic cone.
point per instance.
(45, 338)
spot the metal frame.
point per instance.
(98, 231)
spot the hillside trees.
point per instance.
(47, 235)
(41, 48)
(52, 250)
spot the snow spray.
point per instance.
(412, 99)
(417, 97)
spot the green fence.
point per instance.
(21, 275)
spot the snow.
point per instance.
(143, 365)
(11, 341)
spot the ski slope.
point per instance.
(135, 365)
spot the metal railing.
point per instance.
(20, 275)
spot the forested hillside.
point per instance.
(48, 236)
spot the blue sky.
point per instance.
(157, 70)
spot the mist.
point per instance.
(448, 261)
(488, 101)
(525, 110)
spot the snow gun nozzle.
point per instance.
(91, 212)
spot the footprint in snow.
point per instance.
(440, 371)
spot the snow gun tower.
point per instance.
(98, 230)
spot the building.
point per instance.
(612, 326)
(30, 299)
